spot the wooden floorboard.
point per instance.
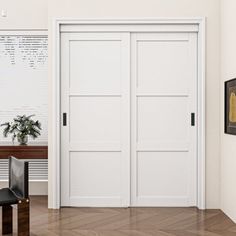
(126, 222)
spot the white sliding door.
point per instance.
(164, 137)
(95, 107)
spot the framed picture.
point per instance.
(230, 107)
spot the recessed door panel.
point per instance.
(95, 119)
(93, 184)
(95, 66)
(171, 55)
(157, 118)
(167, 173)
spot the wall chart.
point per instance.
(24, 78)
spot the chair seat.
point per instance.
(7, 197)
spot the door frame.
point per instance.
(54, 181)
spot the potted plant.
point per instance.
(21, 128)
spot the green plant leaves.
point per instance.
(22, 126)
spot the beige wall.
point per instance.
(168, 8)
(24, 14)
(228, 142)
(33, 14)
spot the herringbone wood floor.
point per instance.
(127, 222)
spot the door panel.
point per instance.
(152, 122)
(163, 151)
(95, 92)
(105, 127)
(165, 58)
(156, 164)
(82, 166)
(95, 66)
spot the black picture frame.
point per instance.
(230, 107)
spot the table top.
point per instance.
(29, 151)
(30, 144)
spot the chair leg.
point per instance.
(7, 219)
(23, 218)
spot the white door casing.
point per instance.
(95, 142)
(196, 25)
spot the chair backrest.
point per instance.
(19, 177)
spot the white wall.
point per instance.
(24, 15)
(228, 142)
(167, 8)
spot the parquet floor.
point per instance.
(127, 222)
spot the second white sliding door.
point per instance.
(164, 134)
(95, 107)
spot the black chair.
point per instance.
(17, 193)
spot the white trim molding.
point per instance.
(118, 25)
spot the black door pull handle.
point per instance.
(64, 119)
(192, 119)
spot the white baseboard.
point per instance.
(35, 188)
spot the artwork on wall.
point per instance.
(24, 77)
(230, 107)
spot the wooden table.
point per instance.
(30, 151)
